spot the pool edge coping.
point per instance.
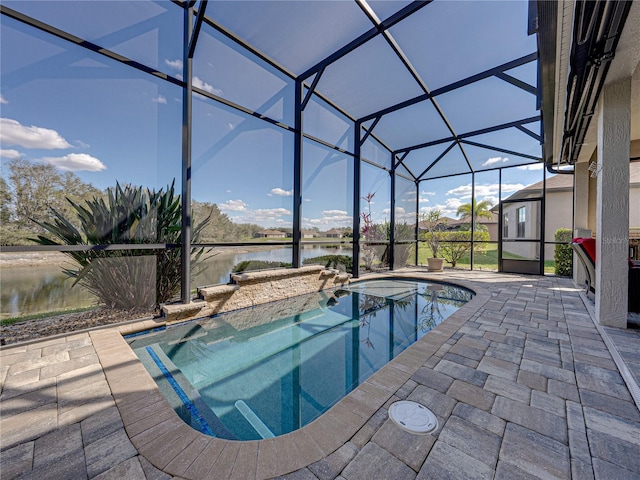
(171, 445)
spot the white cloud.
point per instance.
(427, 193)
(159, 99)
(227, 191)
(464, 191)
(280, 192)
(330, 219)
(3, 100)
(511, 187)
(330, 213)
(271, 212)
(264, 216)
(535, 166)
(230, 126)
(13, 133)
(448, 209)
(74, 162)
(494, 160)
(198, 83)
(82, 144)
(399, 211)
(492, 199)
(11, 154)
(233, 206)
(175, 64)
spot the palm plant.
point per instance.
(475, 210)
(125, 278)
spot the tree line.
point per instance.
(32, 191)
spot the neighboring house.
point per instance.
(523, 219)
(270, 234)
(304, 234)
(450, 224)
(443, 224)
(334, 233)
(491, 224)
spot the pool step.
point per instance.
(251, 417)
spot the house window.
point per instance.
(521, 220)
(505, 225)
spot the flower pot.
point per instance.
(435, 264)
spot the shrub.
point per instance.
(456, 244)
(341, 262)
(401, 251)
(563, 254)
(248, 265)
(453, 245)
(132, 278)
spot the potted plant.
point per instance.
(433, 222)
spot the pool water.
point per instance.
(268, 370)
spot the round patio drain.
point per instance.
(413, 417)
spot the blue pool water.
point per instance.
(271, 369)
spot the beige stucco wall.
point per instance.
(634, 204)
(529, 250)
(559, 214)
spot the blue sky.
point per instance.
(107, 122)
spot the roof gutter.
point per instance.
(596, 32)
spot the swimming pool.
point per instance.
(268, 370)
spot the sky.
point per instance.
(106, 122)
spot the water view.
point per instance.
(35, 289)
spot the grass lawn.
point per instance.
(39, 316)
(486, 260)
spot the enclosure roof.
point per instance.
(448, 86)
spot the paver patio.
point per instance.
(523, 387)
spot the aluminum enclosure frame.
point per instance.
(195, 15)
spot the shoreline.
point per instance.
(31, 259)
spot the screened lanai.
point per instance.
(301, 117)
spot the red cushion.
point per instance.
(589, 245)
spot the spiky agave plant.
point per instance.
(125, 278)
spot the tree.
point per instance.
(220, 228)
(433, 222)
(125, 278)
(33, 190)
(475, 210)
(5, 202)
(456, 244)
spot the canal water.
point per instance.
(35, 289)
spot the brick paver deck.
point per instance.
(522, 383)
